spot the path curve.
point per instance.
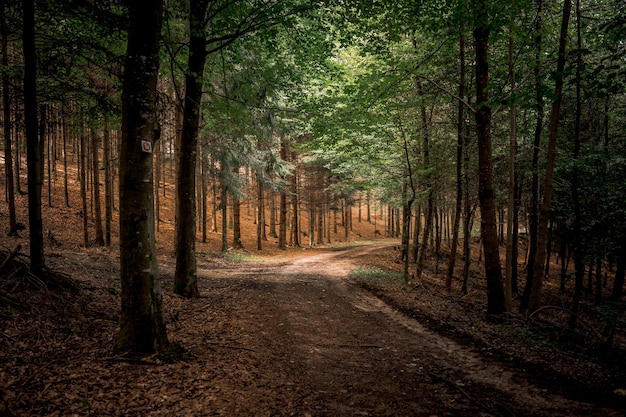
(321, 345)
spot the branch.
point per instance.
(439, 87)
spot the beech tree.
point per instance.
(142, 326)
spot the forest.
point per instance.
(458, 167)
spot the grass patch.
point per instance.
(371, 273)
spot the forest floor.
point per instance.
(323, 331)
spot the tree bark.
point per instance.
(142, 326)
(489, 233)
(185, 276)
(544, 214)
(282, 229)
(108, 186)
(534, 199)
(95, 161)
(33, 145)
(8, 151)
(83, 186)
(460, 128)
(510, 261)
(429, 188)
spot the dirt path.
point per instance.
(296, 338)
(309, 342)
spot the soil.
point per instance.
(274, 337)
(285, 333)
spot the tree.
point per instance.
(142, 326)
(185, 276)
(6, 103)
(489, 233)
(33, 145)
(542, 230)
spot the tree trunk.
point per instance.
(83, 186)
(8, 151)
(142, 326)
(579, 266)
(224, 209)
(429, 188)
(108, 186)
(260, 225)
(489, 233)
(460, 121)
(282, 229)
(66, 135)
(544, 214)
(237, 243)
(185, 276)
(95, 145)
(295, 204)
(33, 145)
(510, 261)
(534, 199)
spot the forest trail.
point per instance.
(287, 336)
(315, 343)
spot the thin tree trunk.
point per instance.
(579, 266)
(260, 225)
(224, 207)
(108, 186)
(510, 261)
(489, 234)
(185, 275)
(295, 204)
(544, 215)
(429, 188)
(459, 163)
(282, 237)
(534, 199)
(8, 151)
(66, 135)
(237, 242)
(95, 145)
(83, 186)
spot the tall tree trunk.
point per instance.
(460, 128)
(108, 185)
(237, 243)
(295, 204)
(579, 266)
(6, 101)
(489, 233)
(273, 215)
(95, 146)
(33, 145)
(534, 199)
(224, 209)
(429, 188)
(142, 326)
(544, 214)
(510, 261)
(185, 276)
(260, 225)
(83, 186)
(204, 192)
(66, 135)
(282, 229)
